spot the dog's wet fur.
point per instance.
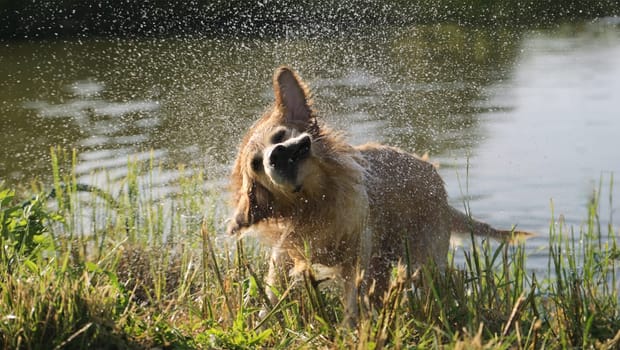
(319, 201)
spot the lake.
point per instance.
(520, 120)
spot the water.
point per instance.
(519, 120)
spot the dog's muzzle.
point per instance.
(284, 158)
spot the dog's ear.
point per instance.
(292, 96)
(252, 207)
(260, 206)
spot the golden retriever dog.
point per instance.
(322, 203)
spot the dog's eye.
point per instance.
(278, 136)
(257, 163)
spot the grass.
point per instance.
(121, 268)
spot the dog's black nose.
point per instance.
(278, 156)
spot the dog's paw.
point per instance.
(322, 272)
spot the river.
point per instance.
(520, 120)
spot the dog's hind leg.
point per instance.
(429, 241)
(379, 275)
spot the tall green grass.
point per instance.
(122, 267)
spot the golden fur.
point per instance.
(322, 202)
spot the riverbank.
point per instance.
(122, 267)
(54, 19)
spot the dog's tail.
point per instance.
(464, 224)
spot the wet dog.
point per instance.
(320, 202)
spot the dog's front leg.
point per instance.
(351, 309)
(279, 265)
(357, 279)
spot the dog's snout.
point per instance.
(290, 152)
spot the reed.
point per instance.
(124, 267)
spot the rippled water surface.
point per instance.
(518, 119)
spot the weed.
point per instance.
(123, 267)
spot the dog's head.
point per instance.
(277, 162)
